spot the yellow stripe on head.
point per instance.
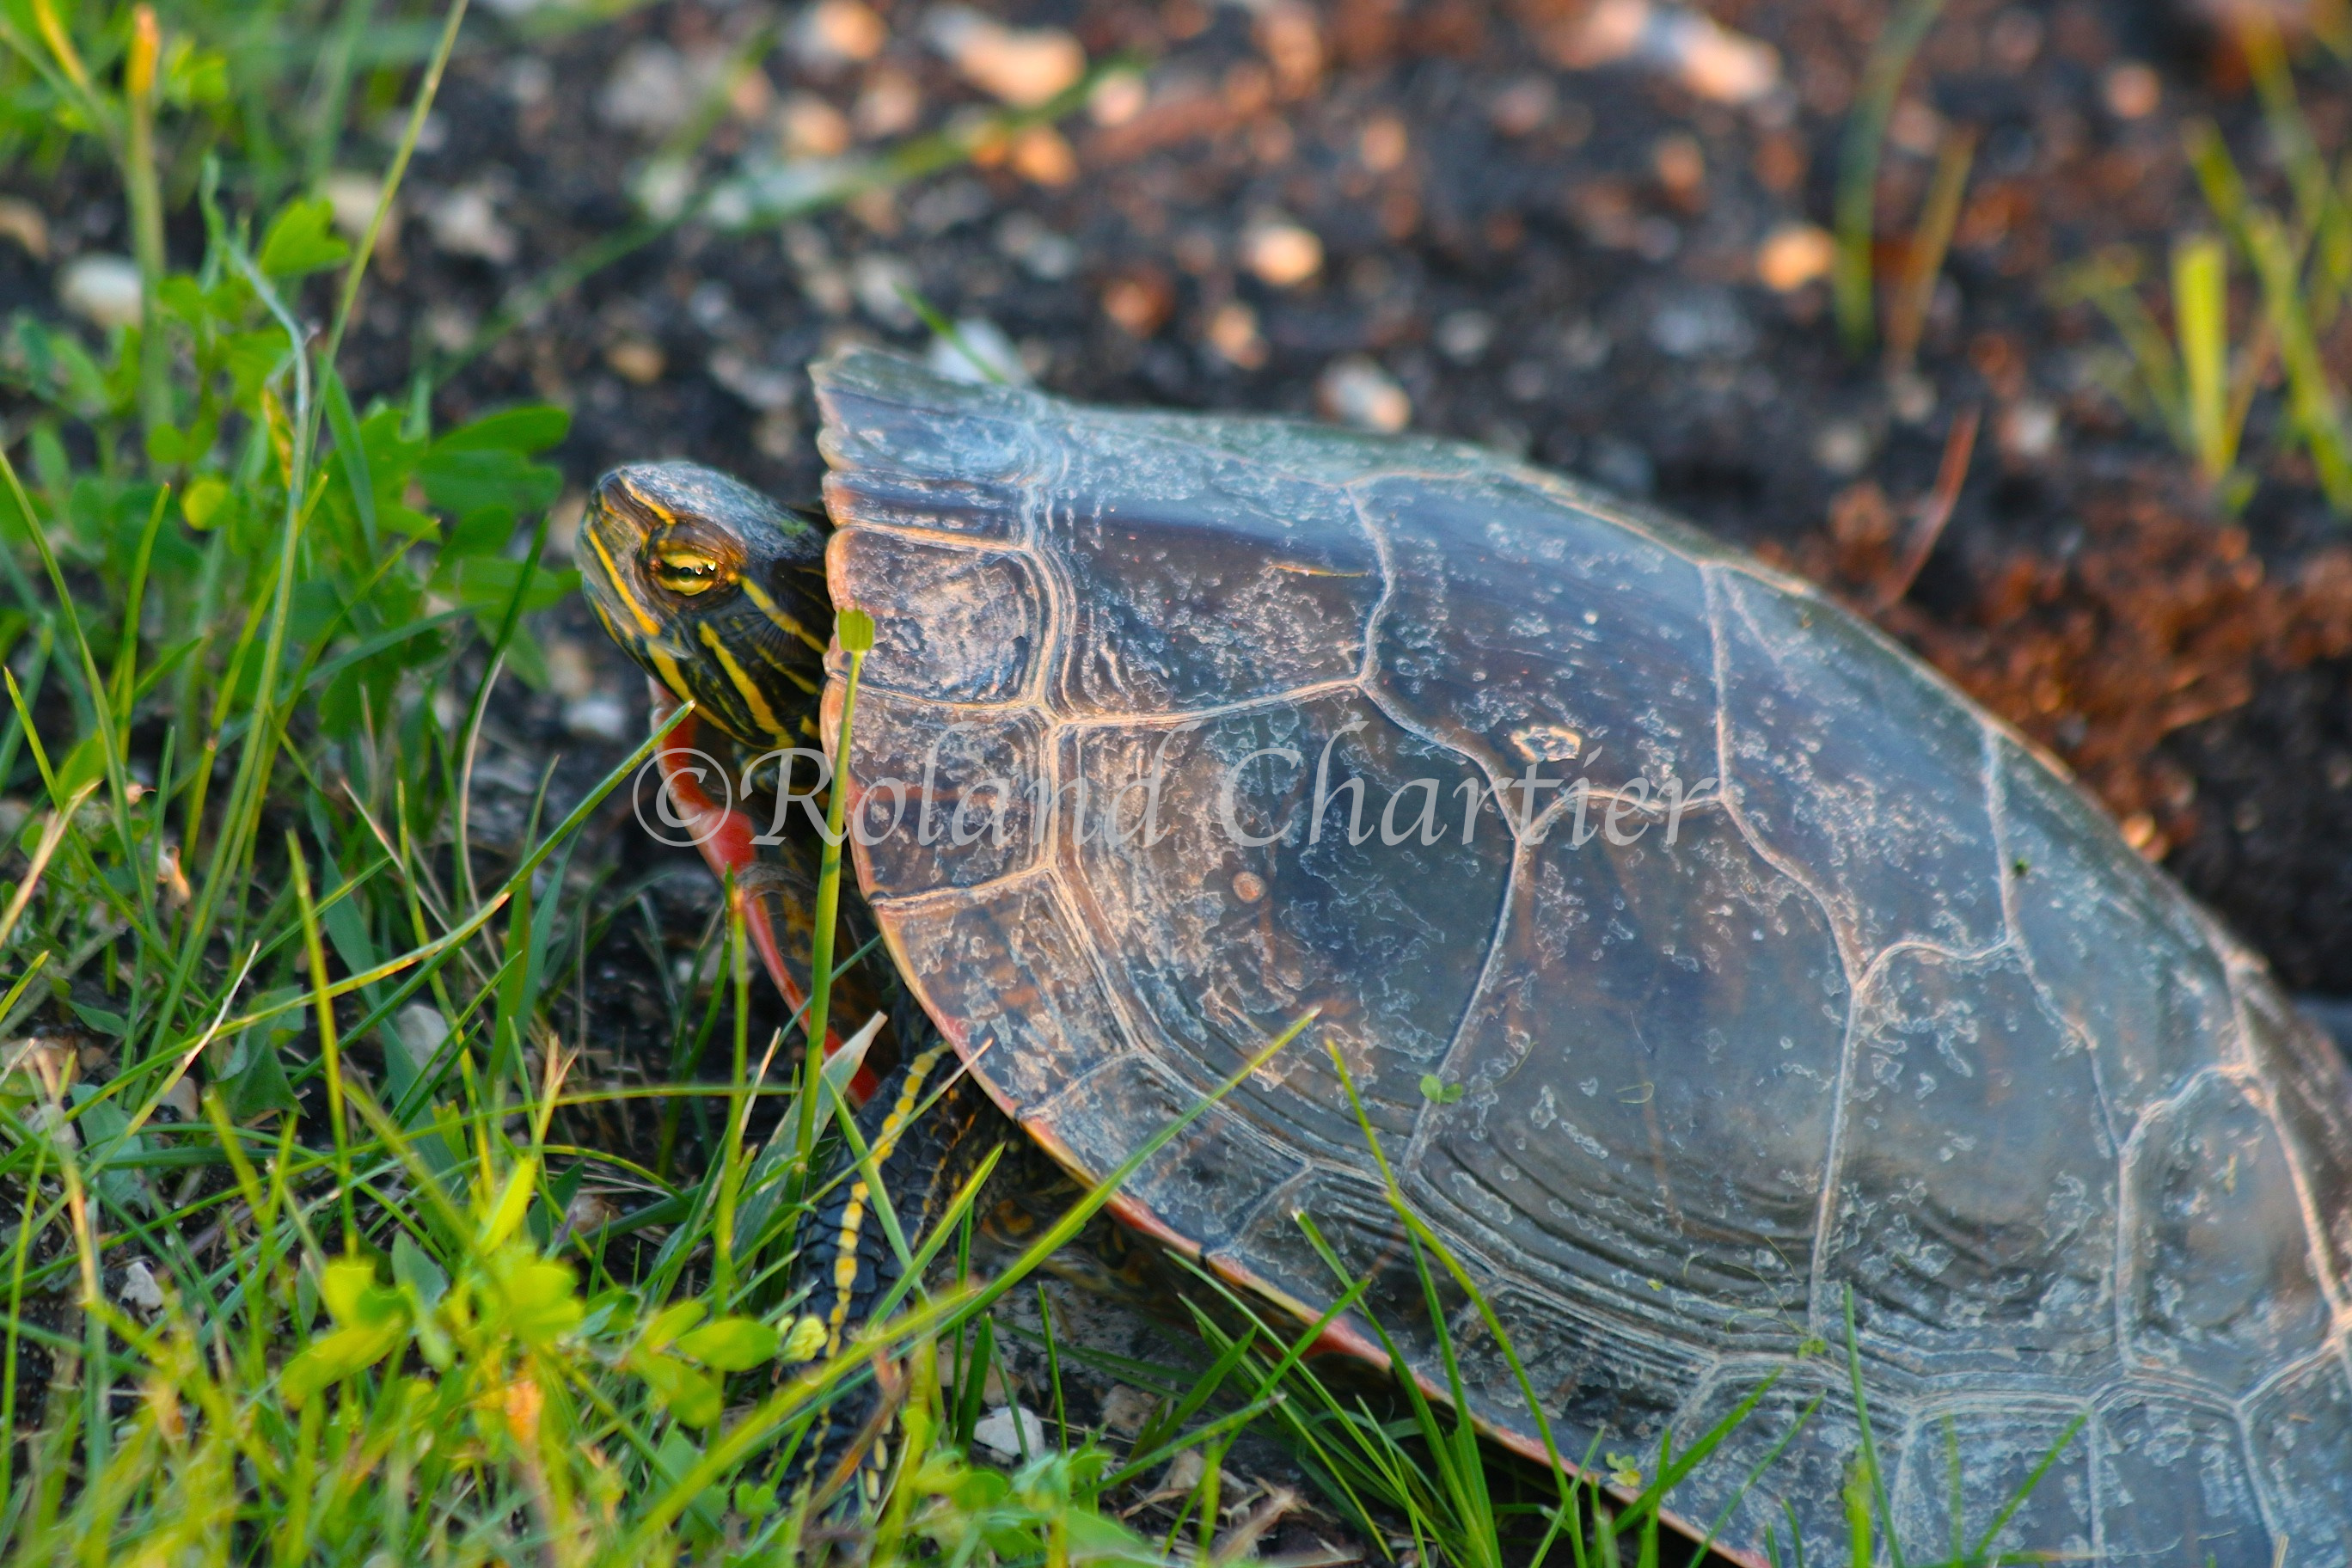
(620, 584)
(786, 624)
(647, 501)
(747, 689)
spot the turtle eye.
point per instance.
(686, 572)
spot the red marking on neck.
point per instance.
(724, 834)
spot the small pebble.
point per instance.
(1185, 1472)
(1044, 254)
(664, 186)
(835, 33)
(2133, 91)
(711, 305)
(529, 81)
(21, 221)
(1233, 333)
(1585, 345)
(1623, 465)
(777, 435)
(980, 354)
(2029, 430)
(1126, 1409)
(1522, 107)
(1281, 253)
(353, 195)
(1916, 128)
(466, 222)
(1249, 886)
(1116, 98)
(1011, 1430)
(1706, 58)
(139, 1287)
(597, 717)
(1141, 302)
(1911, 396)
(1042, 157)
(1463, 335)
(422, 1031)
(1024, 67)
(652, 90)
(1356, 391)
(892, 102)
(1383, 144)
(761, 386)
(1702, 324)
(1680, 165)
(811, 128)
(101, 289)
(449, 327)
(1794, 255)
(637, 360)
(569, 673)
(882, 284)
(1842, 446)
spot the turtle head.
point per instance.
(718, 591)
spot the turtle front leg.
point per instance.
(928, 1130)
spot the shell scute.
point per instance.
(1194, 579)
(1007, 967)
(2305, 1076)
(2178, 1485)
(1207, 1182)
(2001, 1446)
(888, 415)
(955, 624)
(2301, 1429)
(2085, 906)
(1976, 1210)
(1594, 1371)
(1386, 938)
(1815, 1465)
(1674, 1136)
(1862, 773)
(2218, 1266)
(878, 499)
(1524, 631)
(947, 796)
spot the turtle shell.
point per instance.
(1702, 964)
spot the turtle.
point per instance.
(1752, 1017)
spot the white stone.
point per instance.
(978, 353)
(1011, 1430)
(1020, 66)
(653, 90)
(101, 289)
(466, 222)
(139, 1287)
(422, 1031)
(354, 195)
(1356, 391)
(597, 717)
(882, 283)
